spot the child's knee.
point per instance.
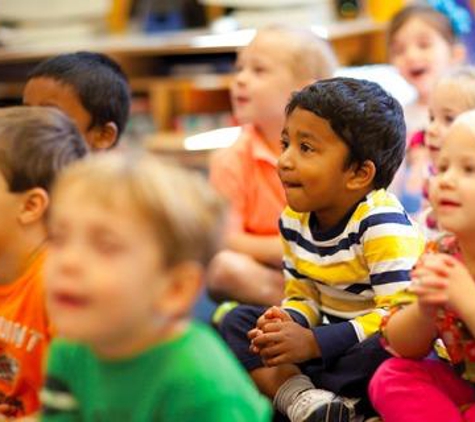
(240, 320)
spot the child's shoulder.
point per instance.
(378, 202)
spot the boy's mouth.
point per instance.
(291, 185)
(417, 73)
(70, 300)
(241, 100)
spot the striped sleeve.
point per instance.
(301, 294)
(391, 247)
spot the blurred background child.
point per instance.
(128, 249)
(423, 45)
(279, 60)
(453, 94)
(35, 144)
(411, 388)
(90, 88)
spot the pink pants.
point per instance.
(404, 390)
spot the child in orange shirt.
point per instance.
(35, 143)
(279, 60)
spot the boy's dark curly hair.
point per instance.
(366, 118)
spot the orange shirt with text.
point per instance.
(24, 336)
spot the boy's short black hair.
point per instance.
(367, 119)
(99, 82)
(35, 144)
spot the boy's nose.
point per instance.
(285, 161)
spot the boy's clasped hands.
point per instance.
(279, 340)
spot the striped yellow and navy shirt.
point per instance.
(352, 273)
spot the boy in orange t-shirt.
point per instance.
(280, 59)
(35, 143)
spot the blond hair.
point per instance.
(463, 80)
(184, 211)
(312, 58)
(466, 119)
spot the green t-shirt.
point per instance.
(191, 378)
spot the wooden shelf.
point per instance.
(149, 61)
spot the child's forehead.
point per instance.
(271, 44)
(415, 25)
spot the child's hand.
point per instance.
(441, 280)
(460, 291)
(273, 314)
(284, 342)
(430, 284)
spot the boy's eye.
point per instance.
(284, 144)
(107, 246)
(304, 147)
(469, 169)
(259, 69)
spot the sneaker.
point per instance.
(321, 406)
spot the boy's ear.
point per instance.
(103, 137)
(362, 176)
(34, 205)
(176, 298)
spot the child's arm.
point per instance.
(411, 331)
(458, 286)
(265, 249)
(228, 179)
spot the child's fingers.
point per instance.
(265, 339)
(272, 327)
(252, 334)
(271, 351)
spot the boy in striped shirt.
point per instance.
(349, 247)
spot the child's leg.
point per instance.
(235, 276)
(293, 393)
(405, 390)
(350, 374)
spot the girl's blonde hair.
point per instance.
(466, 119)
(462, 79)
(312, 58)
(183, 210)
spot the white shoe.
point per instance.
(317, 405)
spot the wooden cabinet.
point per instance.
(185, 72)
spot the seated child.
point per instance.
(279, 60)
(90, 88)
(423, 44)
(128, 248)
(410, 387)
(35, 144)
(348, 250)
(453, 94)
